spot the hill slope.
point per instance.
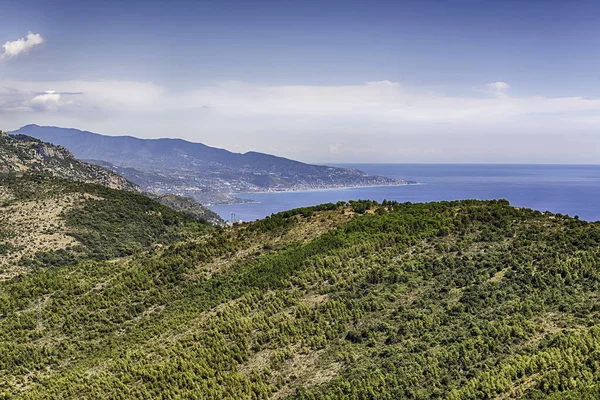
(188, 206)
(46, 221)
(457, 300)
(24, 154)
(178, 166)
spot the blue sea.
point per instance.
(566, 189)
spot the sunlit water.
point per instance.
(566, 189)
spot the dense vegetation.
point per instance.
(105, 223)
(457, 300)
(187, 205)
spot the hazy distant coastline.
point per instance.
(327, 187)
(207, 174)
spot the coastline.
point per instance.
(408, 183)
(566, 190)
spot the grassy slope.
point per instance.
(445, 300)
(49, 222)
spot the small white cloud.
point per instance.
(50, 100)
(334, 148)
(22, 46)
(499, 89)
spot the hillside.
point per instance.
(188, 206)
(455, 300)
(166, 184)
(46, 222)
(21, 154)
(194, 169)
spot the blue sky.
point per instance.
(318, 81)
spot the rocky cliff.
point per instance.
(20, 154)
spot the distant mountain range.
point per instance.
(208, 174)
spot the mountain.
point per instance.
(450, 300)
(163, 183)
(24, 154)
(179, 166)
(21, 154)
(56, 210)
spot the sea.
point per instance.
(565, 189)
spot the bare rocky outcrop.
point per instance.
(21, 154)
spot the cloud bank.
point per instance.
(22, 46)
(372, 121)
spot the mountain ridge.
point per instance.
(21, 154)
(166, 139)
(178, 166)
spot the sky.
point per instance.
(318, 81)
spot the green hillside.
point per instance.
(188, 206)
(452, 300)
(47, 221)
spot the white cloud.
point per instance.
(499, 89)
(335, 148)
(375, 102)
(22, 46)
(375, 121)
(498, 86)
(50, 100)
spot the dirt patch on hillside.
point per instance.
(32, 226)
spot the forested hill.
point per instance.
(453, 300)
(188, 206)
(49, 222)
(194, 169)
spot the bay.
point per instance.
(566, 189)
